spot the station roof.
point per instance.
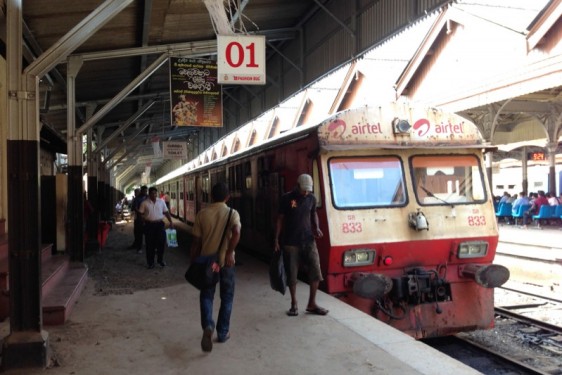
(118, 51)
(125, 44)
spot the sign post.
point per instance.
(241, 59)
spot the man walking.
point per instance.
(210, 223)
(297, 222)
(153, 211)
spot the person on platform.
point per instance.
(505, 197)
(138, 225)
(552, 200)
(153, 211)
(521, 200)
(536, 203)
(210, 223)
(296, 230)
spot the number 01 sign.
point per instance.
(241, 59)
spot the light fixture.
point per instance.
(400, 126)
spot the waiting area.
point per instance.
(524, 215)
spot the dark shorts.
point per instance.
(306, 256)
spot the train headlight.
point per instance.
(474, 249)
(358, 257)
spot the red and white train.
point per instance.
(409, 226)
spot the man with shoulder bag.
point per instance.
(216, 232)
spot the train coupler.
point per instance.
(370, 285)
(488, 276)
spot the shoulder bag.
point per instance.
(200, 273)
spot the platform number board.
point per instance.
(241, 59)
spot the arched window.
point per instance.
(253, 137)
(236, 145)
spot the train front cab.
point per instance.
(411, 236)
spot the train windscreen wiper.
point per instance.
(430, 194)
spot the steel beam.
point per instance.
(75, 37)
(123, 93)
(125, 125)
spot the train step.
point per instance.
(62, 283)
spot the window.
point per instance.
(367, 182)
(447, 179)
(205, 189)
(190, 189)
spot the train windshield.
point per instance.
(447, 179)
(367, 182)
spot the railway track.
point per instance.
(483, 358)
(518, 344)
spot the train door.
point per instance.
(247, 202)
(190, 199)
(198, 193)
(263, 206)
(174, 198)
(181, 200)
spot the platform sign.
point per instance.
(241, 59)
(174, 150)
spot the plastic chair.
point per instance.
(558, 212)
(504, 211)
(545, 213)
(521, 211)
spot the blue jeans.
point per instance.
(206, 297)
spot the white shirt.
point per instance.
(153, 211)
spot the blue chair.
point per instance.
(504, 211)
(546, 212)
(521, 211)
(558, 212)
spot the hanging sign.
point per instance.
(241, 59)
(174, 150)
(195, 96)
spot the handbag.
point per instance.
(277, 275)
(201, 272)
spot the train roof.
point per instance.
(391, 126)
(398, 126)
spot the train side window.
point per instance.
(205, 191)
(369, 181)
(447, 179)
(247, 176)
(190, 190)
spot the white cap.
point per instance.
(305, 182)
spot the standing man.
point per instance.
(153, 211)
(138, 225)
(297, 224)
(210, 223)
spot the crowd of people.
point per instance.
(533, 202)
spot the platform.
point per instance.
(157, 331)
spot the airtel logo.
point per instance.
(337, 128)
(421, 126)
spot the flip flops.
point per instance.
(293, 311)
(317, 311)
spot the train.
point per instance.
(410, 233)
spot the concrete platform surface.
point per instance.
(157, 331)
